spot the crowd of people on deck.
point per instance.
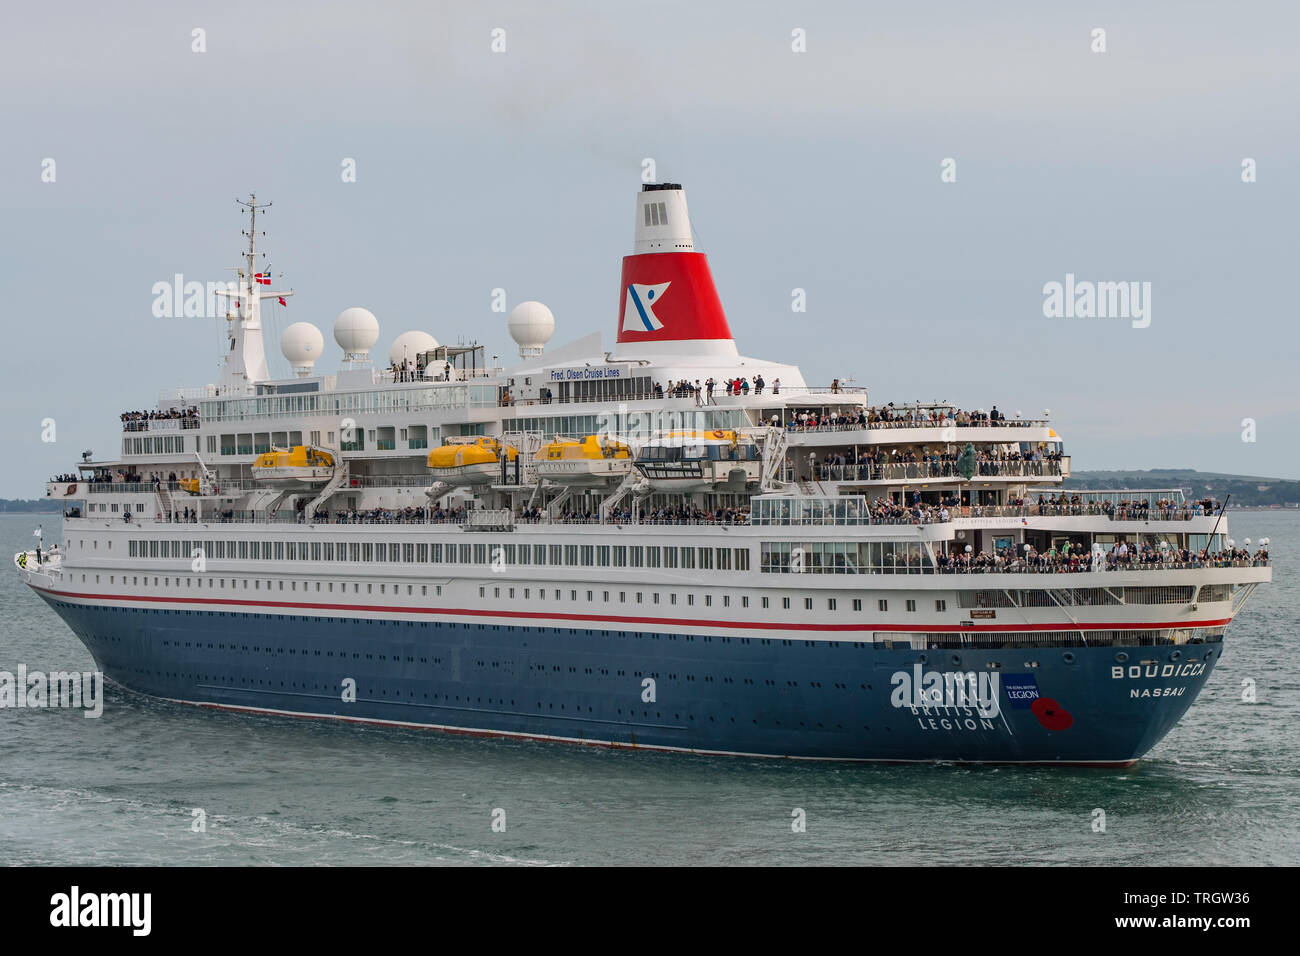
(1135, 509)
(664, 515)
(888, 416)
(707, 392)
(860, 465)
(139, 421)
(108, 475)
(692, 515)
(410, 515)
(1075, 557)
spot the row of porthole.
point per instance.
(501, 702)
(1121, 657)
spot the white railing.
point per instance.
(490, 518)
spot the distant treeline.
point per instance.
(30, 505)
(1246, 491)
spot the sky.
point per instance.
(821, 170)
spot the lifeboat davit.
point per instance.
(305, 465)
(470, 460)
(719, 460)
(590, 462)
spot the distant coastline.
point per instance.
(20, 506)
(1247, 491)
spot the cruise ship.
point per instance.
(663, 545)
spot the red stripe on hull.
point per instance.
(657, 621)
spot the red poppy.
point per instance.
(1051, 714)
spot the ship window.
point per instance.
(573, 595)
(744, 601)
(606, 597)
(785, 603)
(911, 605)
(883, 605)
(941, 605)
(807, 604)
(589, 595)
(765, 602)
(830, 604)
(857, 604)
(690, 599)
(656, 597)
(638, 597)
(672, 598)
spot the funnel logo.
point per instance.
(639, 310)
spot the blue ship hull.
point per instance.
(761, 696)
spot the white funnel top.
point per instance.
(662, 221)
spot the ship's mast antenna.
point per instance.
(252, 206)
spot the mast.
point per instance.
(246, 360)
(252, 206)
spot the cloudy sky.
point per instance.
(818, 170)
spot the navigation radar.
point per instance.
(531, 325)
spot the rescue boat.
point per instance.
(473, 460)
(304, 465)
(590, 462)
